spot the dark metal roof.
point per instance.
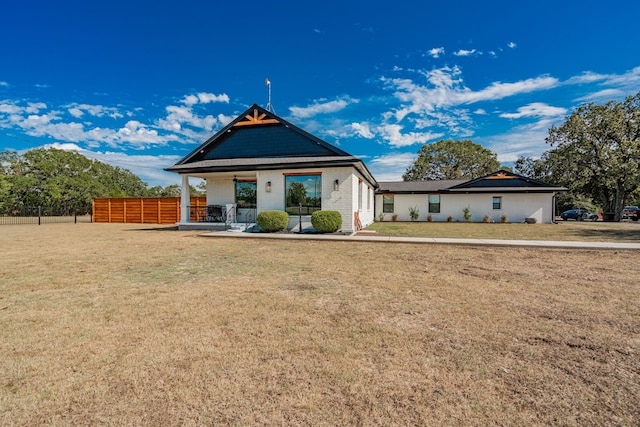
(497, 182)
(252, 164)
(504, 181)
(417, 187)
(259, 140)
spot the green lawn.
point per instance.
(563, 231)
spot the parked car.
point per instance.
(631, 212)
(579, 215)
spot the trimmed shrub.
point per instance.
(272, 221)
(326, 221)
(414, 213)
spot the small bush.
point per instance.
(429, 218)
(486, 218)
(504, 219)
(272, 221)
(381, 216)
(326, 221)
(449, 218)
(414, 213)
(394, 217)
(466, 212)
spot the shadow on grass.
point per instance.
(168, 228)
(631, 234)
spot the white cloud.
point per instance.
(189, 100)
(511, 45)
(527, 141)
(79, 110)
(391, 167)
(446, 89)
(35, 107)
(7, 107)
(136, 133)
(392, 133)
(4, 84)
(586, 77)
(76, 112)
(436, 52)
(611, 86)
(499, 90)
(321, 107)
(536, 109)
(603, 95)
(464, 52)
(178, 117)
(363, 130)
(204, 98)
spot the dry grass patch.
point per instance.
(562, 231)
(117, 324)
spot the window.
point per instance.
(246, 194)
(387, 203)
(305, 190)
(434, 203)
(368, 198)
(497, 202)
(359, 194)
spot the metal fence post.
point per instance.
(39, 214)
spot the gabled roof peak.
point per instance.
(259, 117)
(259, 133)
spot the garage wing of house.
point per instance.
(499, 195)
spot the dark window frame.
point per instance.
(245, 201)
(388, 207)
(434, 207)
(496, 202)
(311, 204)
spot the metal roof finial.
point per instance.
(270, 108)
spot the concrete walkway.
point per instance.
(370, 237)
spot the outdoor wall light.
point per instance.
(336, 185)
(268, 187)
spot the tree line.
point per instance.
(66, 180)
(595, 153)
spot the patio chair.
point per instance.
(215, 213)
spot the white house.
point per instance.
(260, 162)
(499, 195)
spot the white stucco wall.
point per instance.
(516, 207)
(220, 191)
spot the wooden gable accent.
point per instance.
(501, 175)
(256, 119)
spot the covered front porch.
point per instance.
(230, 203)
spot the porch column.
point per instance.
(185, 200)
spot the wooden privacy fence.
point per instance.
(137, 210)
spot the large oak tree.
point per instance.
(61, 179)
(597, 152)
(452, 159)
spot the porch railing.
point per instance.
(209, 213)
(229, 215)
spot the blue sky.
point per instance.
(139, 84)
